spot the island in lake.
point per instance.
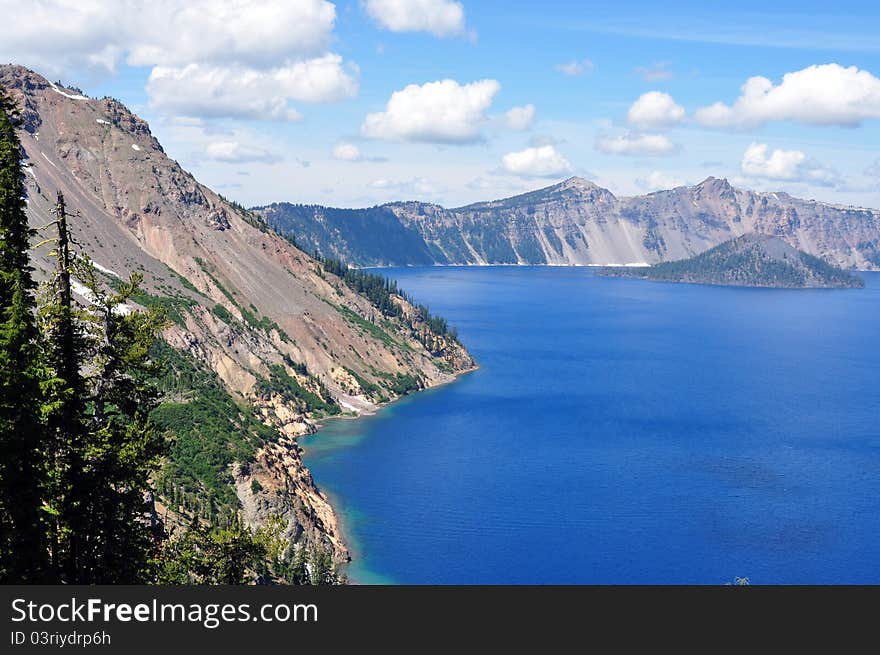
(752, 260)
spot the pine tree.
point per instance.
(103, 445)
(66, 348)
(23, 552)
(124, 446)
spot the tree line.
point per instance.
(381, 290)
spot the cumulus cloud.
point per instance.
(658, 180)
(438, 17)
(543, 161)
(635, 145)
(346, 152)
(257, 32)
(826, 94)
(436, 112)
(655, 109)
(576, 67)
(520, 118)
(209, 57)
(658, 72)
(61, 34)
(791, 165)
(234, 152)
(242, 92)
(58, 36)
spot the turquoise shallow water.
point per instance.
(621, 431)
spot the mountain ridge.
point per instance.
(276, 337)
(577, 222)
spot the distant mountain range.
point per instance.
(579, 223)
(752, 260)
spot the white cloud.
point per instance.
(58, 36)
(209, 57)
(346, 152)
(520, 118)
(655, 109)
(658, 180)
(826, 94)
(234, 152)
(439, 17)
(576, 67)
(436, 112)
(64, 35)
(657, 72)
(543, 161)
(874, 169)
(791, 165)
(241, 92)
(635, 145)
(256, 33)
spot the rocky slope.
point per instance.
(283, 335)
(578, 223)
(752, 260)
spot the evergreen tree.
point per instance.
(23, 552)
(211, 556)
(66, 348)
(103, 445)
(124, 447)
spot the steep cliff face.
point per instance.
(263, 315)
(578, 223)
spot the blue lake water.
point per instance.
(622, 431)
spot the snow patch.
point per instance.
(47, 159)
(104, 269)
(349, 407)
(80, 289)
(67, 95)
(102, 121)
(135, 146)
(29, 170)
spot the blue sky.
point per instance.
(357, 103)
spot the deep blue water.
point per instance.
(621, 431)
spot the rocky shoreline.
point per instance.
(279, 469)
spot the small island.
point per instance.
(752, 260)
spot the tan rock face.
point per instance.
(286, 490)
(246, 297)
(578, 223)
(346, 381)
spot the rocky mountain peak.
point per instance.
(714, 189)
(582, 187)
(21, 83)
(578, 183)
(35, 95)
(714, 185)
(14, 76)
